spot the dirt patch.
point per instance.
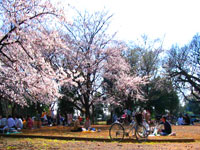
(40, 144)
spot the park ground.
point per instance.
(182, 132)
(46, 144)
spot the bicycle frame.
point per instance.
(132, 127)
(138, 130)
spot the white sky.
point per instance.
(176, 20)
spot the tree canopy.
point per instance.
(43, 57)
(24, 43)
(95, 56)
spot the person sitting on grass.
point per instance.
(3, 124)
(167, 127)
(3, 121)
(77, 126)
(11, 122)
(180, 120)
(87, 124)
(19, 123)
(29, 123)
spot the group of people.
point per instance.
(17, 123)
(50, 119)
(9, 123)
(128, 116)
(163, 129)
(46, 118)
(86, 126)
(14, 123)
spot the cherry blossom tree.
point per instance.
(124, 83)
(145, 58)
(94, 56)
(27, 34)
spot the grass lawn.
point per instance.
(46, 144)
(101, 122)
(181, 132)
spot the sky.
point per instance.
(175, 21)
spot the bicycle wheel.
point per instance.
(141, 133)
(116, 132)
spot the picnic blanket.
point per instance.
(13, 132)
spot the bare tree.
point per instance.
(183, 67)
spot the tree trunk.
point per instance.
(92, 119)
(1, 107)
(39, 108)
(13, 110)
(87, 111)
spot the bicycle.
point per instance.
(117, 131)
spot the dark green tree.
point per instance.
(65, 106)
(163, 97)
(192, 105)
(144, 58)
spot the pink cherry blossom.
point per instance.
(25, 43)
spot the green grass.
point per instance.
(101, 122)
